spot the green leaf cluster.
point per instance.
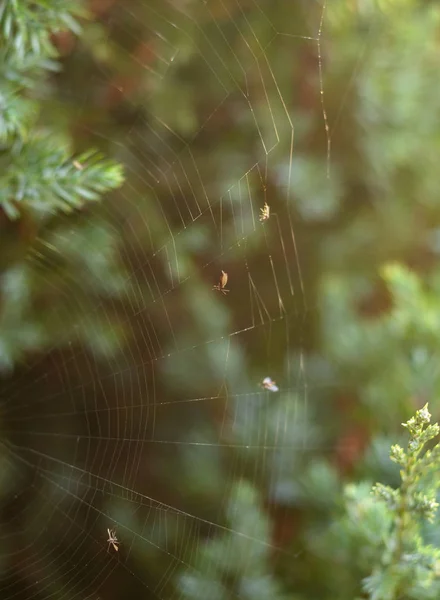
(50, 267)
(408, 567)
(38, 170)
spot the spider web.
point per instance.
(118, 444)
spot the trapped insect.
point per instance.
(112, 539)
(265, 212)
(270, 385)
(220, 286)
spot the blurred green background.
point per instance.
(130, 389)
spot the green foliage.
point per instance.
(20, 74)
(235, 564)
(379, 533)
(40, 173)
(408, 567)
(49, 267)
(28, 25)
(51, 298)
(38, 170)
(392, 352)
(377, 543)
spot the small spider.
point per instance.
(268, 384)
(112, 539)
(220, 286)
(265, 212)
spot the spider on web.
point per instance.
(265, 213)
(220, 286)
(112, 540)
(269, 384)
